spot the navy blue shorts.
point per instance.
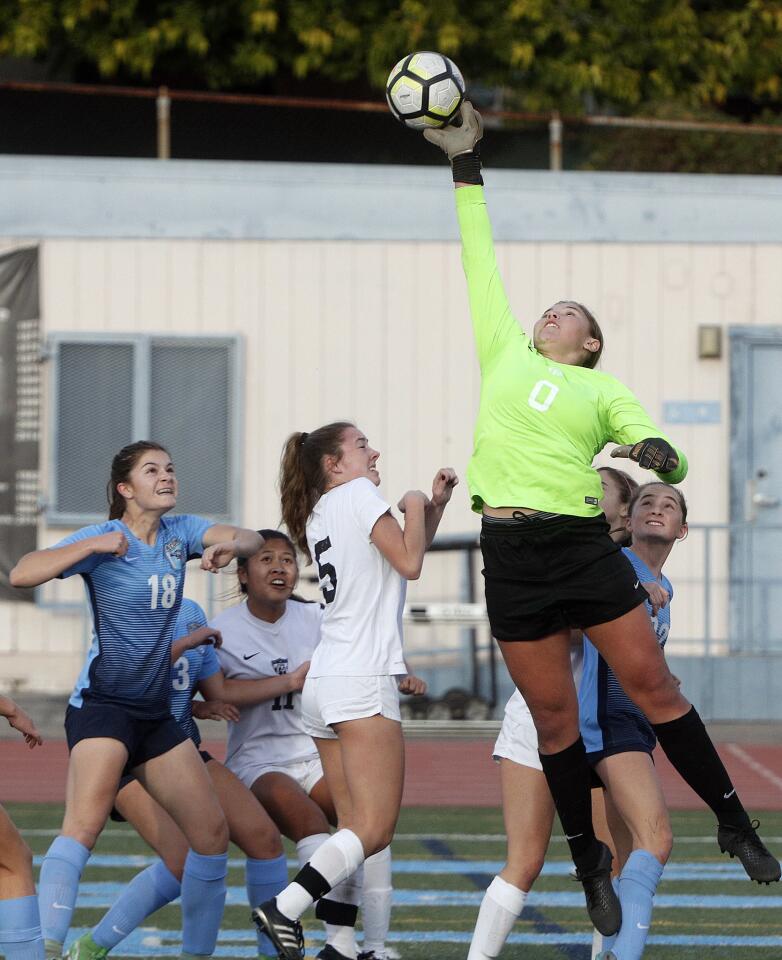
(609, 717)
(143, 738)
(127, 778)
(544, 576)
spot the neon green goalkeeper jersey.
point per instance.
(540, 423)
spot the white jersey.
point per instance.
(270, 732)
(361, 634)
(516, 709)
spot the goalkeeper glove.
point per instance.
(654, 453)
(461, 144)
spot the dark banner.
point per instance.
(20, 406)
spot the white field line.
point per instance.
(418, 837)
(760, 769)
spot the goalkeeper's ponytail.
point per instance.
(302, 477)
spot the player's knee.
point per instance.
(557, 728)
(663, 843)
(654, 692)
(522, 872)
(213, 835)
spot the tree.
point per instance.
(621, 55)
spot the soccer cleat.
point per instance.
(85, 948)
(286, 934)
(387, 953)
(52, 950)
(602, 903)
(744, 843)
(329, 953)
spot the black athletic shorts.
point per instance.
(143, 738)
(127, 778)
(546, 575)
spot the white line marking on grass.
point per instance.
(759, 768)
(500, 838)
(232, 943)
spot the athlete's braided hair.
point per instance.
(302, 477)
(121, 466)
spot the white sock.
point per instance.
(376, 900)
(307, 846)
(597, 943)
(335, 860)
(343, 936)
(501, 905)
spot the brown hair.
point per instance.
(302, 477)
(675, 491)
(591, 360)
(627, 489)
(121, 466)
(267, 535)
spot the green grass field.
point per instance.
(444, 858)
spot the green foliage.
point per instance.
(679, 151)
(569, 54)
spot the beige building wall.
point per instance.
(378, 331)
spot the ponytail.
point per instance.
(302, 477)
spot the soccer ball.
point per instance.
(425, 89)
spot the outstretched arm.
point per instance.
(40, 566)
(492, 320)
(442, 488)
(225, 543)
(19, 720)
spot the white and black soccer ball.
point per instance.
(425, 89)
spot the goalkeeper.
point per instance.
(550, 564)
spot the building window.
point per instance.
(107, 391)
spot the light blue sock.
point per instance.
(203, 899)
(608, 942)
(637, 885)
(265, 879)
(58, 885)
(147, 892)
(20, 929)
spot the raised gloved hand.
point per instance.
(654, 453)
(461, 144)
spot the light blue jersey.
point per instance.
(134, 601)
(190, 669)
(610, 721)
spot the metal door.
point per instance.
(756, 489)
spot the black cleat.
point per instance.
(329, 953)
(602, 903)
(744, 843)
(284, 933)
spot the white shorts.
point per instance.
(327, 700)
(305, 772)
(518, 741)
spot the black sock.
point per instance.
(689, 748)
(569, 780)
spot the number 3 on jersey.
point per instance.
(168, 587)
(326, 571)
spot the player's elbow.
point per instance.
(412, 569)
(19, 577)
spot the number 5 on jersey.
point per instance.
(326, 571)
